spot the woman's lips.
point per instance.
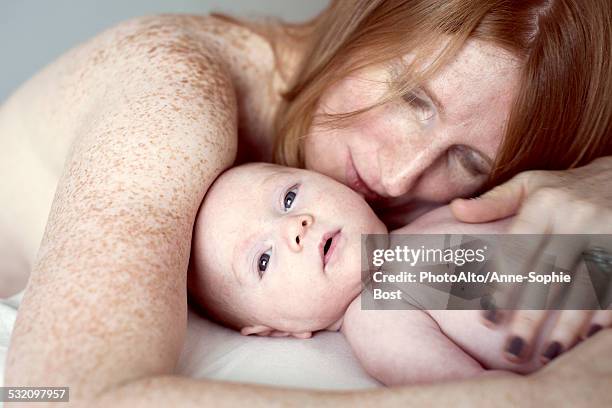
(355, 182)
(326, 255)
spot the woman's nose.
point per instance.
(295, 229)
(402, 169)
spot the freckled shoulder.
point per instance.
(182, 51)
(136, 123)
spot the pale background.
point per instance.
(35, 32)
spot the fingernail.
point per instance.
(553, 350)
(515, 346)
(594, 329)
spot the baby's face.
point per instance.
(283, 245)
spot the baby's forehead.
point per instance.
(264, 170)
(243, 190)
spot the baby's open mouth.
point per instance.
(327, 245)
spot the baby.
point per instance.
(277, 252)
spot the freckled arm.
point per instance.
(106, 302)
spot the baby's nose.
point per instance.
(296, 227)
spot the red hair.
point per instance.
(561, 114)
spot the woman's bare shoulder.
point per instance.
(153, 56)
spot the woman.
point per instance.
(135, 124)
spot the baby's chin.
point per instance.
(321, 318)
(316, 326)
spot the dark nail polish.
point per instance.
(594, 329)
(553, 350)
(515, 346)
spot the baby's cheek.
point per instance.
(333, 306)
(325, 294)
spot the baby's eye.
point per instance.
(262, 263)
(290, 198)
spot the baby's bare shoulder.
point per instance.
(442, 221)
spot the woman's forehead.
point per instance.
(479, 67)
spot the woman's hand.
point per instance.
(576, 201)
(570, 328)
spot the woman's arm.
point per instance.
(580, 378)
(189, 392)
(106, 302)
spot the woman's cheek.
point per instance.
(443, 183)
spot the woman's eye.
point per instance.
(289, 198)
(471, 161)
(421, 106)
(262, 263)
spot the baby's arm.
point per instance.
(407, 346)
(404, 346)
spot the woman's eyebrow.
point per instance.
(393, 70)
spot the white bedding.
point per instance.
(324, 361)
(212, 351)
(8, 313)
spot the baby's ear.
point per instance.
(261, 330)
(303, 335)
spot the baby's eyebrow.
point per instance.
(240, 255)
(277, 172)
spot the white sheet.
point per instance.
(211, 351)
(8, 313)
(324, 361)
